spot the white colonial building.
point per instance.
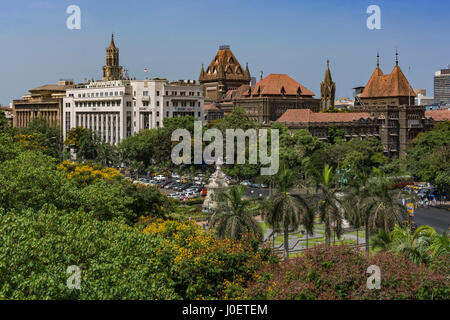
(119, 108)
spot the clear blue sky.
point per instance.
(173, 38)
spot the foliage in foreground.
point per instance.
(340, 273)
(167, 260)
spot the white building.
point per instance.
(119, 108)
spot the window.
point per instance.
(145, 93)
(157, 113)
(167, 93)
(145, 103)
(167, 114)
(167, 103)
(157, 93)
(67, 105)
(157, 103)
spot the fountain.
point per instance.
(217, 181)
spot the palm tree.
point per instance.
(286, 211)
(233, 217)
(329, 205)
(370, 203)
(419, 247)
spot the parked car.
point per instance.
(160, 177)
(246, 183)
(263, 185)
(175, 176)
(185, 186)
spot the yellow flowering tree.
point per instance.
(202, 266)
(86, 174)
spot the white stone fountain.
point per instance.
(217, 181)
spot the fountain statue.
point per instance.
(217, 181)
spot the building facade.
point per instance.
(116, 108)
(354, 125)
(269, 98)
(442, 87)
(45, 101)
(391, 99)
(223, 73)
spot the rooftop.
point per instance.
(307, 116)
(278, 85)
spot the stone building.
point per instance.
(387, 111)
(391, 99)
(223, 73)
(269, 98)
(45, 101)
(327, 90)
(112, 70)
(354, 124)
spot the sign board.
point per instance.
(410, 208)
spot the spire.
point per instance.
(327, 78)
(378, 59)
(261, 75)
(112, 45)
(396, 57)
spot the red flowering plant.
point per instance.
(340, 273)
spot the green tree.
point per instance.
(329, 204)
(286, 211)
(233, 217)
(116, 261)
(420, 247)
(428, 156)
(9, 149)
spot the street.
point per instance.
(439, 219)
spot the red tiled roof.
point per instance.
(210, 107)
(394, 84)
(438, 115)
(278, 84)
(225, 65)
(306, 115)
(236, 93)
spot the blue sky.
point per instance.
(173, 38)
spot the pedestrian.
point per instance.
(434, 201)
(403, 201)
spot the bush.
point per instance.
(340, 273)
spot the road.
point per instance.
(439, 219)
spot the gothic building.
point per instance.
(223, 73)
(327, 90)
(388, 112)
(112, 70)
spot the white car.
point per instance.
(160, 177)
(176, 176)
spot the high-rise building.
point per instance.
(442, 86)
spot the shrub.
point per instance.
(340, 273)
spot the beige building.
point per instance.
(45, 101)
